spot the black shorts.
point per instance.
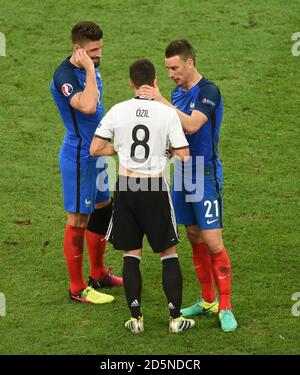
(142, 206)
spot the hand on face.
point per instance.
(82, 59)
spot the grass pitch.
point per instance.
(245, 47)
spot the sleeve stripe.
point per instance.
(104, 138)
(180, 148)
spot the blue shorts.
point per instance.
(79, 184)
(207, 212)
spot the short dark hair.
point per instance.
(86, 30)
(142, 72)
(181, 47)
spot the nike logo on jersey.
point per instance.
(212, 221)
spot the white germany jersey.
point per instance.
(143, 130)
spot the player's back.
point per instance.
(141, 130)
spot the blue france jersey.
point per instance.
(204, 97)
(67, 81)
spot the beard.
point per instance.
(96, 62)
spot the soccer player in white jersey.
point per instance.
(199, 105)
(143, 130)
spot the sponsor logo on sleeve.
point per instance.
(209, 102)
(67, 89)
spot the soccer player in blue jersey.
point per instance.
(77, 91)
(199, 105)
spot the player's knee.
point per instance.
(214, 245)
(168, 252)
(77, 220)
(193, 234)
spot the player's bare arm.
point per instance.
(181, 153)
(86, 101)
(190, 123)
(101, 147)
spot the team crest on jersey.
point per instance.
(67, 89)
(192, 105)
(209, 102)
(87, 202)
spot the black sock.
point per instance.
(172, 284)
(132, 280)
